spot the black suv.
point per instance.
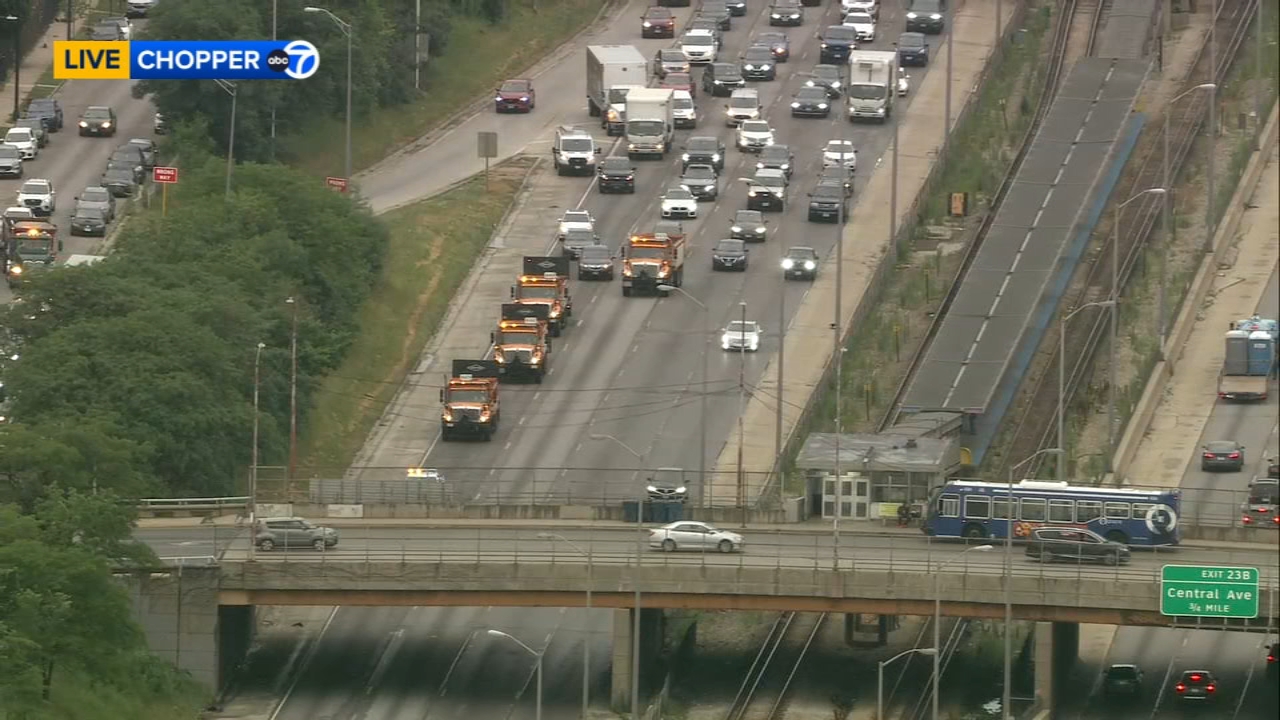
(721, 79)
(701, 181)
(758, 63)
(800, 263)
(98, 120)
(616, 174)
(49, 111)
(913, 49)
(837, 42)
(786, 12)
(1122, 681)
(827, 203)
(1074, 544)
(927, 16)
(595, 262)
(778, 157)
(748, 225)
(703, 150)
(729, 255)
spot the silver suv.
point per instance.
(288, 532)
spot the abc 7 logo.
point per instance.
(298, 60)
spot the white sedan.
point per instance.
(842, 153)
(754, 135)
(576, 220)
(871, 7)
(741, 336)
(679, 203)
(864, 26)
(698, 536)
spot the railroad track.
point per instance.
(763, 693)
(1036, 428)
(1057, 60)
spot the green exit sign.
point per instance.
(1203, 591)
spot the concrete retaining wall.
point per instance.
(1140, 421)
(178, 612)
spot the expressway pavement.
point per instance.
(72, 162)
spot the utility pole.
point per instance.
(293, 393)
(742, 410)
(1211, 207)
(838, 349)
(253, 452)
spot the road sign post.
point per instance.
(486, 147)
(1203, 591)
(336, 183)
(164, 177)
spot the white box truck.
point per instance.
(873, 84)
(613, 70)
(650, 126)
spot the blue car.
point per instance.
(913, 49)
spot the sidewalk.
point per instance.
(866, 242)
(38, 62)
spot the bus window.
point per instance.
(1060, 511)
(1088, 510)
(1140, 510)
(977, 507)
(1033, 509)
(999, 509)
(1116, 511)
(949, 506)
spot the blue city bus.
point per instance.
(971, 509)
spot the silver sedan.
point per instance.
(697, 536)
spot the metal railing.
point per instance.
(204, 503)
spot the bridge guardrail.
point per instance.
(189, 507)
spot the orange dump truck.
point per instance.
(545, 281)
(651, 260)
(470, 398)
(521, 344)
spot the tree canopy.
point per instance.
(136, 374)
(382, 60)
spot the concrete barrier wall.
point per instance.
(1145, 410)
(178, 612)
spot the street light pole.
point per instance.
(1211, 207)
(293, 392)
(586, 638)
(349, 31)
(937, 620)
(1009, 513)
(742, 409)
(837, 342)
(537, 712)
(880, 675)
(253, 451)
(1061, 465)
(1115, 321)
(230, 88)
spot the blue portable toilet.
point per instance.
(1262, 351)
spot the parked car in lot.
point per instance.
(287, 532)
(1076, 545)
(695, 536)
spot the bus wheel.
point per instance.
(974, 531)
(1118, 537)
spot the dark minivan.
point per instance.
(1074, 544)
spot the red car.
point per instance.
(657, 22)
(679, 81)
(515, 96)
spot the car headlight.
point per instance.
(785, 166)
(106, 124)
(822, 106)
(682, 489)
(912, 16)
(835, 84)
(788, 263)
(651, 488)
(736, 228)
(759, 166)
(795, 104)
(776, 16)
(765, 66)
(760, 229)
(685, 157)
(808, 83)
(715, 157)
(15, 270)
(647, 24)
(935, 16)
(748, 67)
(84, 124)
(709, 188)
(686, 187)
(447, 415)
(524, 99)
(497, 98)
(768, 141)
(810, 265)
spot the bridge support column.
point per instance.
(1057, 647)
(178, 612)
(652, 631)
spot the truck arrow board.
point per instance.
(1203, 591)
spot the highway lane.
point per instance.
(762, 549)
(618, 344)
(634, 364)
(1248, 690)
(72, 162)
(1251, 424)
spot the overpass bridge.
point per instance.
(809, 572)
